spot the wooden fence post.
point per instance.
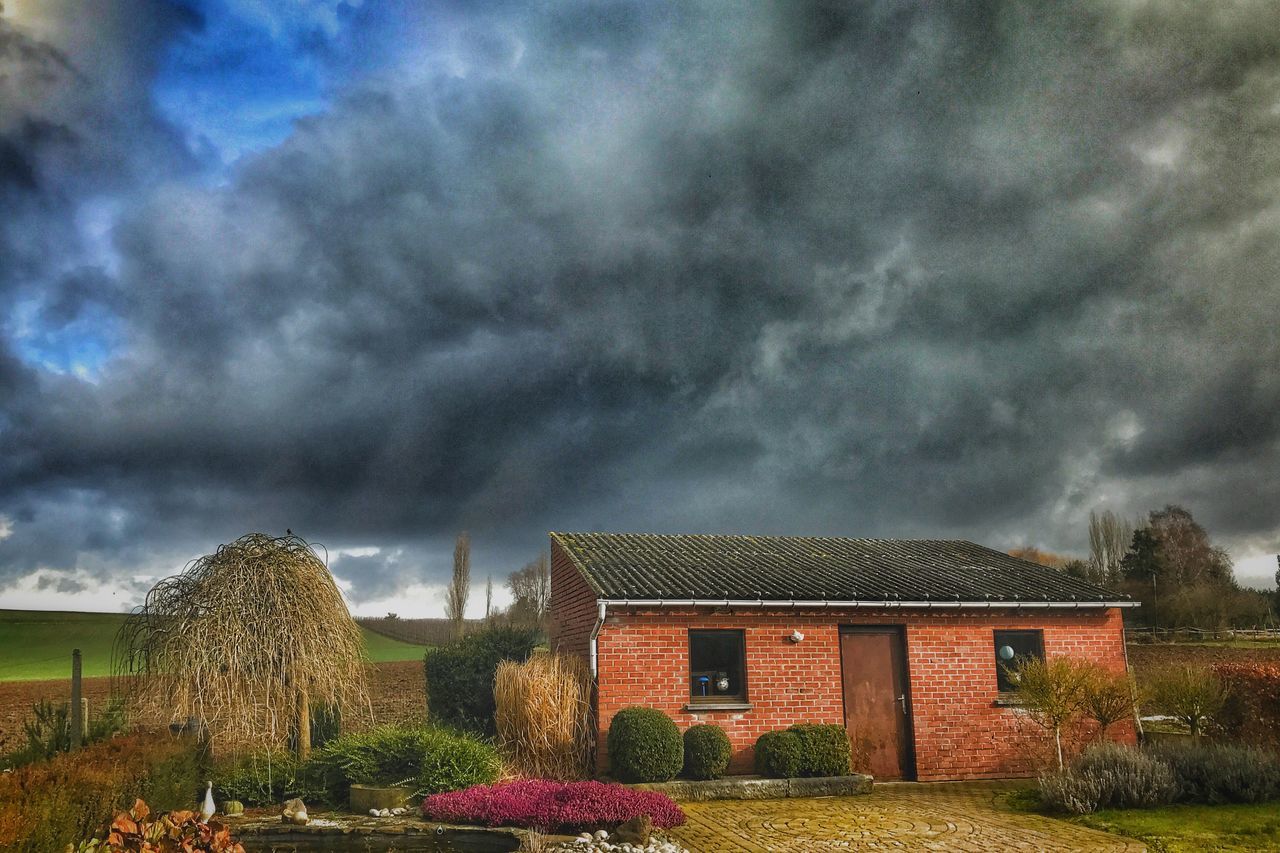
(77, 709)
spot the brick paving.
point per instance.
(938, 816)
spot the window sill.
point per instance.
(699, 707)
(1008, 700)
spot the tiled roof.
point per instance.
(795, 568)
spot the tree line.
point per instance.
(530, 588)
(1168, 563)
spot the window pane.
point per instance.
(1011, 647)
(715, 666)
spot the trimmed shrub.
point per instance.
(268, 778)
(427, 759)
(779, 754)
(825, 749)
(644, 746)
(1107, 775)
(48, 805)
(706, 752)
(803, 750)
(1221, 773)
(547, 806)
(460, 675)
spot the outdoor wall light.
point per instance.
(796, 637)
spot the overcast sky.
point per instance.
(383, 272)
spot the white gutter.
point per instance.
(593, 651)
(880, 605)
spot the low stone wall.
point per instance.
(755, 788)
(344, 832)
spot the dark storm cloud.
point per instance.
(873, 269)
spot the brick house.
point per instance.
(900, 640)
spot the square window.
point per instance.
(1011, 648)
(717, 668)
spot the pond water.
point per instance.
(367, 844)
(361, 835)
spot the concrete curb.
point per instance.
(755, 788)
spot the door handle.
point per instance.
(903, 700)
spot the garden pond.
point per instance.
(345, 833)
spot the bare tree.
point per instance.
(531, 589)
(488, 599)
(1109, 538)
(459, 591)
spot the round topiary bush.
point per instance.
(826, 749)
(706, 751)
(779, 755)
(644, 746)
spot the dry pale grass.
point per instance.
(543, 716)
(240, 639)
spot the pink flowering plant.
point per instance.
(550, 805)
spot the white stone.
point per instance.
(373, 812)
(601, 835)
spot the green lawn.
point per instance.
(37, 644)
(1190, 829)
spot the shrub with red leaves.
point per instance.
(47, 805)
(547, 805)
(171, 832)
(1252, 714)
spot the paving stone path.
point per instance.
(941, 816)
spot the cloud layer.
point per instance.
(871, 270)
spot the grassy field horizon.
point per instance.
(37, 644)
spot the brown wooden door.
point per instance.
(876, 705)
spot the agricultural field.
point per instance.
(37, 644)
(35, 664)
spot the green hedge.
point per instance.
(460, 675)
(803, 750)
(644, 746)
(47, 805)
(428, 759)
(706, 752)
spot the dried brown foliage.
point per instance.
(543, 716)
(243, 639)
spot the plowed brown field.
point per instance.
(397, 691)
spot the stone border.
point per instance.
(262, 829)
(756, 788)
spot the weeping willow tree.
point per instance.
(247, 640)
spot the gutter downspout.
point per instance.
(593, 651)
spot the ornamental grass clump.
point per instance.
(644, 746)
(424, 758)
(543, 716)
(552, 806)
(246, 640)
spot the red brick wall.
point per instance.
(573, 606)
(959, 732)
